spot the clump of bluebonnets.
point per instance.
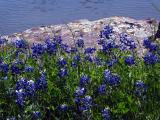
(52, 80)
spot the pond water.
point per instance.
(18, 15)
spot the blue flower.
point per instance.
(20, 97)
(30, 88)
(127, 41)
(41, 83)
(4, 68)
(2, 41)
(102, 89)
(84, 80)
(36, 115)
(150, 58)
(28, 69)
(21, 84)
(140, 88)
(64, 47)
(17, 67)
(88, 58)
(73, 50)
(11, 118)
(57, 39)
(50, 47)
(80, 91)
(89, 50)
(101, 41)
(76, 58)
(106, 32)
(107, 46)
(63, 107)
(80, 43)
(62, 72)
(105, 114)
(146, 43)
(107, 74)
(111, 62)
(37, 49)
(129, 60)
(153, 47)
(114, 80)
(20, 44)
(85, 103)
(61, 62)
(97, 61)
(149, 45)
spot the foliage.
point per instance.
(52, 81)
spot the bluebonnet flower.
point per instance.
(73, 64)
(57, 39)
(73, 50)
(129, 60)
(30, 88)
(106, 32)
(114, 80)
(50, 47)
(37, 49)
(4, 68)
(150, 58)
(153, 47)
(149, 45)
(102, 89)
(64, 47)
(21, 84)
(36, 115)
(11, 118)
(80, 43)
(77, 58)
(77, 100)
(97, 61)
(85, 103)
(105, 114)
(63, 107)
(20, 52)
(140, 88)
(146, 43)
(62, 72)
(61, 62)
(29, 69)
(84, 80)
(107, 74)
(20, 97)
(89, 50)
(111, 62)
(20, 44)
(108, 46)
(101, 41)
(88, 58)
(17, 67)
(80, 91)
(41, 83)
(127, 41)
(2, 41)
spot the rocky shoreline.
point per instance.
(137, 29)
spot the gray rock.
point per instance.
(137, 29)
